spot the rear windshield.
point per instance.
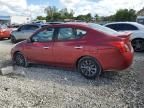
(103, 29)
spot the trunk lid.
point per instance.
(126, 37)
(124, 44)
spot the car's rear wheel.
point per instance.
(138, 45)
(20, 60)
(13, 39)
(89, 67)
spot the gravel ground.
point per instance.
(46, 87)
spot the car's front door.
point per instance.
(41, 47)
(68, 46)
(20, 34)
(30, 30)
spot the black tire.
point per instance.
(13, 39)
(89, 67)
(20, 60)
(9, 38)
(138, 45)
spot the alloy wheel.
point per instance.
(89, 67)
(19, 59)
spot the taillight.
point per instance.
(122, 46)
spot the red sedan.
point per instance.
(90, 48)
(4, 32)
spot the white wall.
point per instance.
(20, 19)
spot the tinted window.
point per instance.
(113, 26)
(28, 27)
(70, 33)
(44, 35)
(129, 27)
(121, 27)
(80, 33)
(32, 27)
(24, 27)
(66, 34)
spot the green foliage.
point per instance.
(41, 18)
(96, 17)
(123, 15)
(86, 18)
(53, 14)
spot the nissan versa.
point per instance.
(90, 48)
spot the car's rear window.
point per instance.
(103, 29)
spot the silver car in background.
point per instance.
(135, 28)
(25, 31)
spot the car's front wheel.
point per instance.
(89, 67)
(20, 60)
(13, 39)
(138, 45)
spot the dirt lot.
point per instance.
(44, 87)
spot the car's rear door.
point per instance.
(41, 47)
(68, 45)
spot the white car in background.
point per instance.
(135, 28)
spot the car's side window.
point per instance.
(33, 27)
(44, 35)
(70, 33)
(24, 27)
(80, 33)
(21, 28)
(129, 27)
(113, 26)
(66, 34)
(121, 27)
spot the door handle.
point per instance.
(78, 47)
(45, 47)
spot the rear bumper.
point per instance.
(4, 36)
(128, 59)
(116, 61)
(124, 63)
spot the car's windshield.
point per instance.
(103, 29)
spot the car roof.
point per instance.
(140, 26)
(60, 24)
(55, 22)
(37, 24)
(122, 23)
(71, 24)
